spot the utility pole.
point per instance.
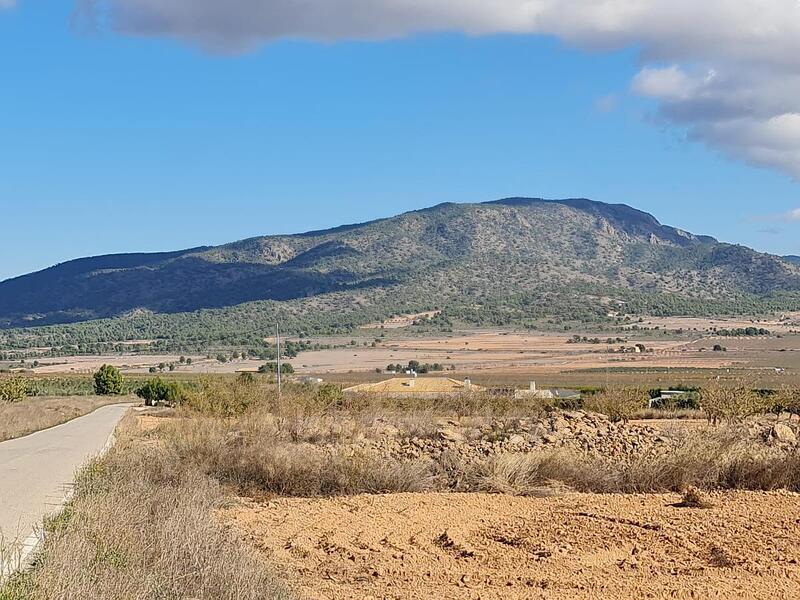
(278, 355)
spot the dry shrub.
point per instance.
(618, 404)
(731, 404)
(225, 397)
(141, 527)
(524, 474)
(256, 453)
(788, 400)
(720, 461)
(693, 498)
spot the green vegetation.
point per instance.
(743, 331)
(157, 391)
(271, 367)
(416, 367)
(108, 381)
(13, 388)
(519, 262)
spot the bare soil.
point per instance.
(423, 546)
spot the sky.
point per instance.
(147, 125)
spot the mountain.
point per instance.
(793, 259)
(511, 253)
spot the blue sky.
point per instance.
(115, 141)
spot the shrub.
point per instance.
(13, 389)
(271, 367)
(246, 378)
(731, 404)
(618, 404)
(329, 393)
(787, 400)
(158, 391)
(108, 381)
(224, 397)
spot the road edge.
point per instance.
(30, 545)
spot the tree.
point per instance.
(158, 391)
(270, 367)
(108, 381)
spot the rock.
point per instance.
(516, 440)
(450, 434)
(784, 434)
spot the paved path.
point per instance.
(36, 471)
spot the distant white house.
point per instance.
(533, 392)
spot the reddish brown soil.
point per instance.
(440, 546)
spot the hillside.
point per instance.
(513, 253)
(793, 259)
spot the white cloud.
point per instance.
(792, 215)
(726, 70)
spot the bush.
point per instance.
(787, 399)
(108, 381)
(618, 404)
(226, 398)
(271, 367)
(13, 389)
(731, 404)
(158, 391)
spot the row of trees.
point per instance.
(416, 367)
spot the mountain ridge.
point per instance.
(509, 246)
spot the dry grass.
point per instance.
(707, 461)
(298, 453)
(34, 414)
(141, 524)
(141, 527)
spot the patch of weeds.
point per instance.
(111, 557)
(59, 522)
(19, 586)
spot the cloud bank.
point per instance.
(727, 71)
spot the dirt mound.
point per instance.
(578, 431)
(422, 546)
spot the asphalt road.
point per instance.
(36, 471)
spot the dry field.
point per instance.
(34, 414)
(495, 357)
(243, 494)
(421, 546)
